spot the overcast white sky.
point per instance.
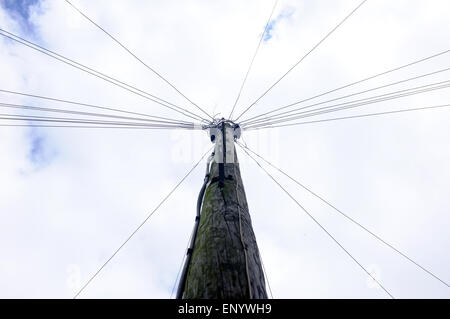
(69, 197)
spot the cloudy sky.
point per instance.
(69, 197)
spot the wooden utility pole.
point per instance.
(223, 261)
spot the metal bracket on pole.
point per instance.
(223, 133)
(224, 157)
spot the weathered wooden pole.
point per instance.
(224, 261)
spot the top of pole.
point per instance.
(214, 127)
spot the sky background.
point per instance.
(70, 197)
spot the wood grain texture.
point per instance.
(218, 266)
